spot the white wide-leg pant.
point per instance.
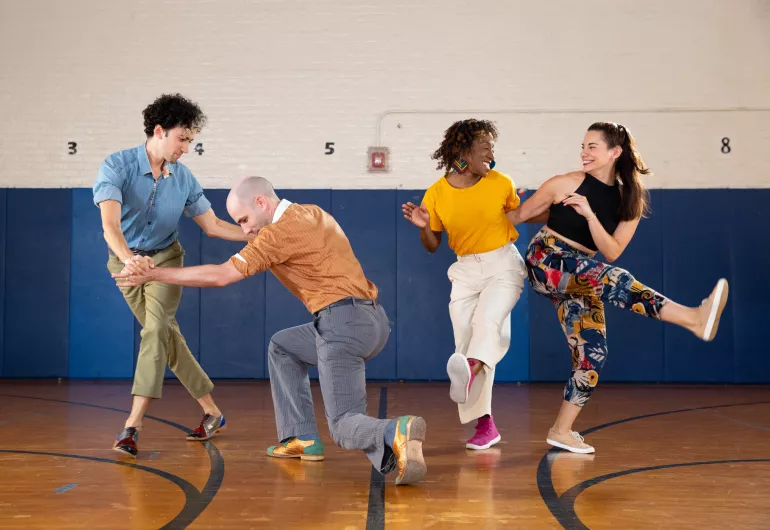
(485, 287)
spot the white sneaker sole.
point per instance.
(720, 299)
(585, 451)
(485, 446)
(459, 375)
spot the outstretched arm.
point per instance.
(541, 218)
(213, 226)
(200, 276)
(535, 209)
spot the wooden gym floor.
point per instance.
(667, 457)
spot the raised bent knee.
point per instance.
(274, 348)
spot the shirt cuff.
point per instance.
(199, 207)
(107, 192)
(240, 263)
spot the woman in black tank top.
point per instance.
(597, 210)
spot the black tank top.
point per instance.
(604, 201)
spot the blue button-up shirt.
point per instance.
(151, 208)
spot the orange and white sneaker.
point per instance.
(312, 450)
(571, 442)
(407, 448)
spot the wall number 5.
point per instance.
(329, 148)
(73, 147)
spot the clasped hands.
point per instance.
(136, 271)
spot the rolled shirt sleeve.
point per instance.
(196, 203)
(108, 185)
(260, 253)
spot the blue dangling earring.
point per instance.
(492, 165)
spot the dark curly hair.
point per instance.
(459, 138)
(172, 110)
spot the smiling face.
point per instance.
(596, 154)
(481, 155)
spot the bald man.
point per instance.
(308, 252)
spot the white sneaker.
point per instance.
(460, 377)
(710, 311)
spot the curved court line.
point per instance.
(191, 510)
(565, 514)
(571, 495)
(191, 493)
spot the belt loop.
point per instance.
(353, 301)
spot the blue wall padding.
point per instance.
(62, 315)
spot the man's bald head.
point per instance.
(252, 202)
(247, 189)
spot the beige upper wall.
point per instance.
(278, 79)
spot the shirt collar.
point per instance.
(280, 209)
(144, 163)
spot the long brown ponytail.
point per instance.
(629, 167)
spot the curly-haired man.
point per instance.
(142, 193)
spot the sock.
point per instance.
(390, 432)
(472, 363)
(303, 437)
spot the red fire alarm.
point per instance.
(379, 159)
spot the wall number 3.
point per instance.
(329, 148)
(73, 147)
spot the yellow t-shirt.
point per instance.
(473, 218)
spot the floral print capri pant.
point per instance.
(579, 286)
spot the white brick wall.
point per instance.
(280, 78)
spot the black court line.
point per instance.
(191, 510)
(375, 517)
(571, 495)
(560, 508)
(191, 493)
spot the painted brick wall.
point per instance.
(279, 79)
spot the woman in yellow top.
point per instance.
(469, 203)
